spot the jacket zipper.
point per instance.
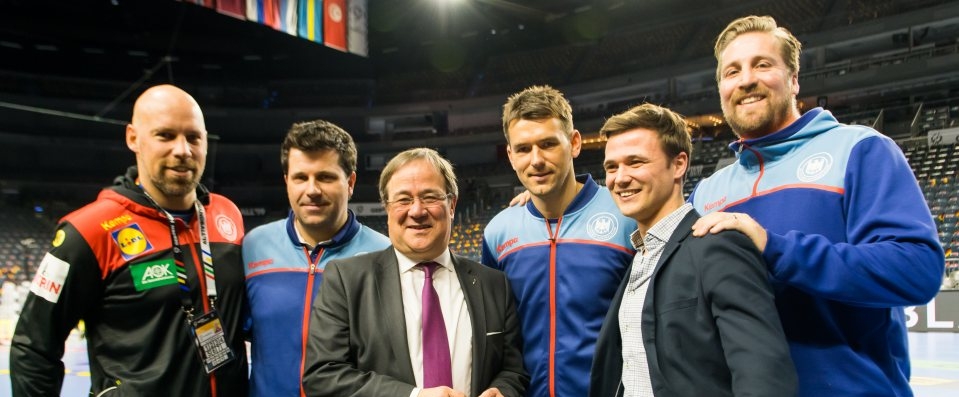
(552, 303)
(308, 295)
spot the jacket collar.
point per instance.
(344, 235)
(127, 193)
(750, 152)
(582, 198)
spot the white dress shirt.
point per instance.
(649, 249)
(459, 328)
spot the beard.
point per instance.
(176, 186)
(763, 122)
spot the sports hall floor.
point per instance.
(935, 366)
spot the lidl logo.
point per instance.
(153, 274)
(132, 241)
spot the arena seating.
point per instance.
(24, 240)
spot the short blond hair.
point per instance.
(537, 103)
(790, 45)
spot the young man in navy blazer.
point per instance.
(694, 316)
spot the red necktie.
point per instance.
(437, 370)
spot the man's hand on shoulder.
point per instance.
(719, 221)
(520, 199)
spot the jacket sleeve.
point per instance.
(67, 283)
(488, 258)
(892, 256)
(741, 301)
(331, 368)
(512, 380)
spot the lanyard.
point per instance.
(205, 254)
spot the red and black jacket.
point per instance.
(110, 265)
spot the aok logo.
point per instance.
(153, 274)
(132, 241)
(156, 273)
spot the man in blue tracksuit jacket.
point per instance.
(564, 252)
(284, 259)
(836, 211)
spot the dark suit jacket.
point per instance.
(357, 344)
(710, 325)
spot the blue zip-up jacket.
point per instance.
(280, 286)
(850, 243)
(564, 274)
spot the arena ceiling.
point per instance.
(123, 40)
(53, 51)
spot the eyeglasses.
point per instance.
(426, 200)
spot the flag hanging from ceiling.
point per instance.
(356, 26)
(266, 12)
(205, 3)
(310, 20)
(334, 24)
(233, 8)
(287, 11)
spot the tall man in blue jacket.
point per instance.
(285, 259)
(835, 209)
(564, 251)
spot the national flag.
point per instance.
(205, 3)
(310, 20)
(356, 26)
(266, 12)
(334, 24)
(287, 12)
(233, 8)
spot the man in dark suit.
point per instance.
(694, 316)
(374, 328)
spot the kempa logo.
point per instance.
(153, 274)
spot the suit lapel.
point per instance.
(683, 230)
(475, 303)
(390, 303)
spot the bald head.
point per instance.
(165, 99)
(169, 138)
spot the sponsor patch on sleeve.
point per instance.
(48, 283)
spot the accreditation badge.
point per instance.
(210, 341)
